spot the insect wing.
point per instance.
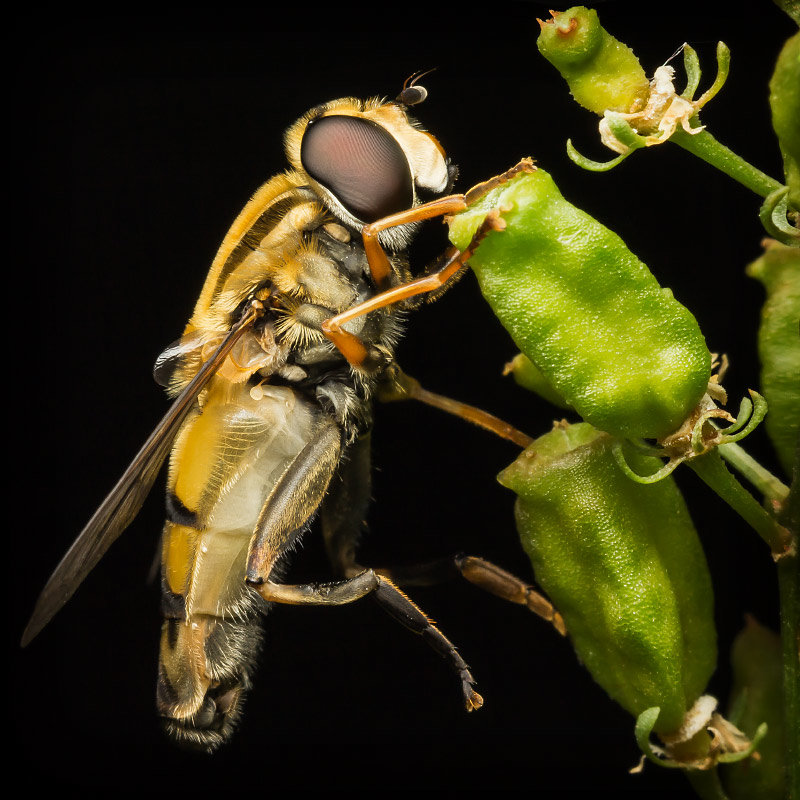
(122, 504)
(190, 346)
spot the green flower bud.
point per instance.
(530, 377)
(623, 565)
(784, 99)
(779, 345)
(602, 73)
(627, 356)
(757, 697)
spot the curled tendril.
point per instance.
(618, 135)
(697, 437)
(664, 112)
(773, 217)
(593, 166)
(751, 413)
(653, 477)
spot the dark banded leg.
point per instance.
(399, 606)
(343, 520)
(481, 573)
(299, 491)
(391, 600)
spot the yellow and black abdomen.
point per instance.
(226, 460)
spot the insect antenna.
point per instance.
(411, 94)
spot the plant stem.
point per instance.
(705, 146)
(707, 784)
(712, 470)
(746, 465)
(789, 586)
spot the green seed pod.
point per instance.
(530, 377)
(757, 697)
(779, 346)
(627, 356)
(602, 72)
(784, 99)
(623, 565)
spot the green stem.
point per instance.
(789, 586)
(746, 465)
(705, 146)
(712, 470)
(706, 784)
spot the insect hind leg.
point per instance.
(481, 573)
(392, 600)
(343, 512)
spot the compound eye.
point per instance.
(360, 163)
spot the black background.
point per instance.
(140, 138)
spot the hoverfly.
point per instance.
(292, 337)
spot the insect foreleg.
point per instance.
(442, 206)
(376, 255)
(351, 346)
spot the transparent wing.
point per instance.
(189, 348)
(122, 504)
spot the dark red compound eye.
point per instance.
(360, 163)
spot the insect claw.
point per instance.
(474, 701)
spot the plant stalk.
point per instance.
(712, 470)
(762, 479)
(789, 587)
(706, 784)
(705, 146)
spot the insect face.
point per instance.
(368, 160)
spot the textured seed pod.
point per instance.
(779, 346)
(602, 72)
(620, 349)
(623, 565)
(784, 99)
